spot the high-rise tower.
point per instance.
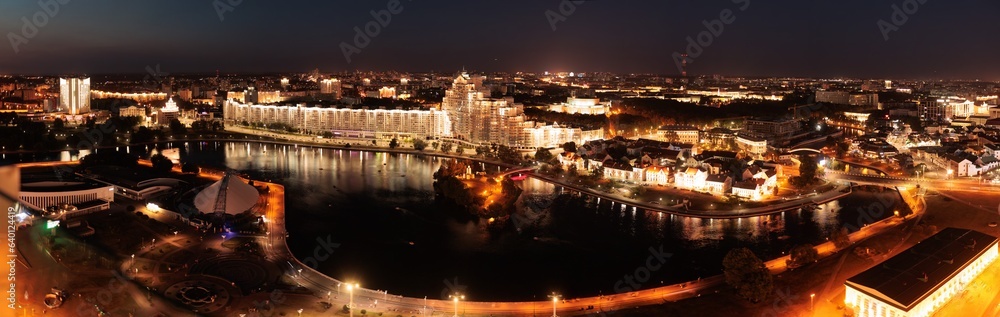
(74, 95)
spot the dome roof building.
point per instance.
(230, 195)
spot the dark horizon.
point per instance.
(941, 40)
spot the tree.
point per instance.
(842, 148)
(436, 145)
(840, 238)
(419, 144)
(190, 168)
(161, 163)
(569, 147)
(508, 155)
(807, 169)
(671, 136)
(107, 157)
(394, 143)
(483, 151)
(830, 141)
(143, 134)
(58, 124)
(802, 254)
(446, 147)
(745, 272)
(543, 155)
(176, 127)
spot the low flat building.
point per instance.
(71, 197)
(918, 281)
(679, 133)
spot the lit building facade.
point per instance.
(43, 195)
(919, 281)
(137, 97)
(588, 106)
(543, 135)
(167, 113)
(387, 93)
(74, 95)
(132, 111)
(331, 86)
(347, 122)
(754, 147)
(480, 119)
(679, 133)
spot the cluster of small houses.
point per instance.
(650, 162)
(961, 154)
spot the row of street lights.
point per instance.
(457, 297)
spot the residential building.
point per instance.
(769, 129)
(74, 95)
(718, 184)
(680, 134)
(142, 97)
(480, 119)
(691, 178)
(345, 122)
(751, 146)
(836, 97)
(331, 86)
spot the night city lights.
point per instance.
(500, 158)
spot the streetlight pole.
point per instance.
(455, 298)
(350, 305)
(812, 307)
(555, 300)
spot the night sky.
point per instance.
(823, 38)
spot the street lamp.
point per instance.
(555, 300)
(455, 298)
(350, 303)
(811, 306)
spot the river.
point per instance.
(393, 235)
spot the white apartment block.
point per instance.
(352, 122)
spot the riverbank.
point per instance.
(320, 284)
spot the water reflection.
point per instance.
(395, 236)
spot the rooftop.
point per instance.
(905, 279)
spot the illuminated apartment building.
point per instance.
(74, 95)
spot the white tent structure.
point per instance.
(231, 195)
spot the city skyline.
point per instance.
(762, 39)
(522, 158)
